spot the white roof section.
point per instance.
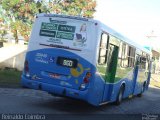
(102, 26)
(64, 16)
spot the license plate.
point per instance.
(67, 62)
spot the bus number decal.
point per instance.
(68, 63)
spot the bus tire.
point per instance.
(143, 89)
(120, 95)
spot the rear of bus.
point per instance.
(60, 56)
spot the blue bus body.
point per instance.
(53, 65)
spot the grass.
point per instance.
(154, 83)
(155, 80)
(10, 77)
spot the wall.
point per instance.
(15, 62)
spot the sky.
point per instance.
(135, 19)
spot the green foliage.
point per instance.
(84, 8)
(21, 9)
(3, 33)
(23, 12)
(10, 77)
(14, 29)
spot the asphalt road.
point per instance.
(27, 101)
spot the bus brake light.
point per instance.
(86, 79)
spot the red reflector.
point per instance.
(26, 66)
(85, 80)
(26, 69)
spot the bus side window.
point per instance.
(148, 63)
(124, 60)
(128, 56)
(102, 59)
(143, 61)
(131, 56)
(138, 60)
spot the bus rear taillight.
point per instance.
(26, 69)
(85, 80)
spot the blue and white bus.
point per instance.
(84, 59)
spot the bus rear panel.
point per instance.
(59, 58)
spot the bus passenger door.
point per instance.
(112, 65)
(142, 74)
(136, 68)
(107, 63)
(111, 71)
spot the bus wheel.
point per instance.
(120, 96)
(143, 89)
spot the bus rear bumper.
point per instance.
(54, 89)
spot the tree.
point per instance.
(21, 13)
(14, 29)
(25, 30)
(3, 32)
(85, 8)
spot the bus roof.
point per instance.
(102, 26)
